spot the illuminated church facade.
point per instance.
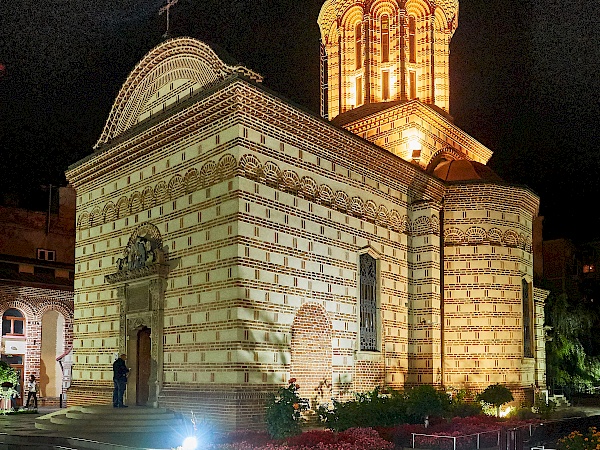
(228, 241)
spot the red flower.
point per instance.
(292, 380)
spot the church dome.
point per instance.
(464, 170)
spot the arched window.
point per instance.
(358, 45)
(369, 322)
(13, 323)
(385, 38)
(412, 39)
(527, 321)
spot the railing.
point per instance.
(473, 441)
(477, 438)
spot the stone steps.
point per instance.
(106, 419)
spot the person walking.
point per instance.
(32, 389)
(120, 372)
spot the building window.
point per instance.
(413, 84)
(385, 38)
(46, 255)
(13, 323)
(358, 45)
(527, 321)
(368, 303)
(359, 91)
(412, 39)
(385, 85)
(589, 268)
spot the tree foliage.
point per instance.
(568, 352)
(496, 395)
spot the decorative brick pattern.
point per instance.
(264, 211)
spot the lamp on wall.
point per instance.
(414, 146)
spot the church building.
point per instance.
(228, 241)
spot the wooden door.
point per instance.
(143, 367)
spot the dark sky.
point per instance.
(524, 80)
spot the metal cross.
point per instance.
(167, 8)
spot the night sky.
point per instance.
(525, 81)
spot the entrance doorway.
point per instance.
(144, 366)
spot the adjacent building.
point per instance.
(36, 293)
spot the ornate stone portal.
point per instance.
(141, 281)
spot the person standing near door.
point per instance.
(120, 372)
(32, 389)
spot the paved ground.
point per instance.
(19, 432)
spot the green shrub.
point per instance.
(424, 401)
(371, 409)
(495, 395)
(283, 415)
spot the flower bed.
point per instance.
(352, 439)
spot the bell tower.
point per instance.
(377, 51)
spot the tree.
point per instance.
(496, 395)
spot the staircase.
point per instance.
(560, 400)
(106, 419)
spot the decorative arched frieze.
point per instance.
(148, 197)
(191, 180)
(227, 167)
(271, 174)
(176, 187)
(493, 236)
(476, 235)
(454, 236)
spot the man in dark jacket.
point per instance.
(120, 371)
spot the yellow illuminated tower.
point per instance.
(385, 51)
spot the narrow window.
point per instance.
(368, 303)
(385, 85)
(527, 321)
(385, 38)
(412, 39)
(359, 91)
(413, 84)
(358, 45)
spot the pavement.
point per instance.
(18, 432)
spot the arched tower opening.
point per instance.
(385, 51)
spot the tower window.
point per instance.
(413, 84)
(412, 39)
(358, 45)
(359, 91)
(385, 85)
(368, 303)
(385, 38)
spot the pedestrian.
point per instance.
(32, 389)
(120, 372)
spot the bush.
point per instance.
(373, 409)
(496, 395)
(284, 410)
(426, 401)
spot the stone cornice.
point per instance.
(152, 271)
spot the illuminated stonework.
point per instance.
(289, 247)
(385, 51)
